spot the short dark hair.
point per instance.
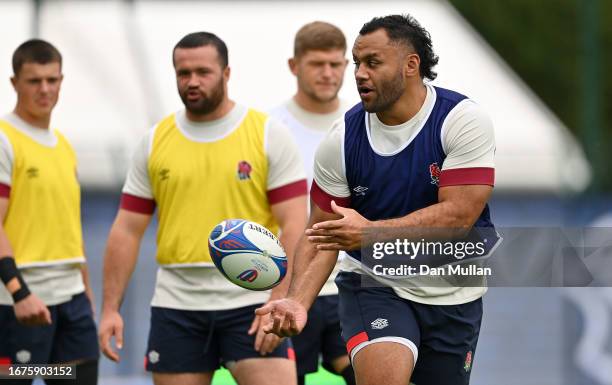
(201, 39)
(319, 36)
(405, 29)
(35, 51)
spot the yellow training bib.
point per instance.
(43, 221)
(196, 185)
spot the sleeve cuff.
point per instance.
(288, 191)
(323, 200)
(467, 176)
(137, 204)
(5, 190)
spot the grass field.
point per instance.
(322, 377)
(222, 377)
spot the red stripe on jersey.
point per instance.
(5, 190)
(288, 191)
(291, 354)
(323, 200)
(356, 340)
(137, 204)
(466, 176)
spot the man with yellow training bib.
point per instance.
(213, 160)
(46, 314)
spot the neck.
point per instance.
(33, 120)
(318, 107)
(222, 109)
(406, 107)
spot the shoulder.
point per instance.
(468, 115)
(447, 95)
(334, 139)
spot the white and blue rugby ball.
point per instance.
(247, 254)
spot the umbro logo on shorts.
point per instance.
(360, 190)
(379, 323)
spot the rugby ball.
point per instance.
(247, 254)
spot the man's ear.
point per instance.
(292, 65)
(412, 62)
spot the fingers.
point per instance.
(265, 309)
(105, 339)
(254, 325)
(322, 232)
(259, 339)
(327, 225)
(119, 336)
(31, 311)
(45, 316)
(323, 239)
(293, 327)
(107, 331)
(338, 209)
(269, 343)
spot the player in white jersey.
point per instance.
(318, 64)
(409, 157)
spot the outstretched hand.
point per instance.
(287, 317)
(265, 343)
(345, 233)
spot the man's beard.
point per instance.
(387, 93)
(206, 104)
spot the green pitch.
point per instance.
(322, 377)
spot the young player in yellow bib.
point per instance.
(45, 310)
(318, 64)
(211, 161)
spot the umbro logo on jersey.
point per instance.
(360, 190)
(379, 323)
(32, 172)
(164, 174)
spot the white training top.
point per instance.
(205, 288)
(53, 284)
(309, 129)
(467, 139)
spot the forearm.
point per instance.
(289, 238)
(311, 269)
(453, 216)
(6, 251)
(119, 262)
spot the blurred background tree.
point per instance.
(562, 49)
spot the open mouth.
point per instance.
(365, 91)
(193, 95)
